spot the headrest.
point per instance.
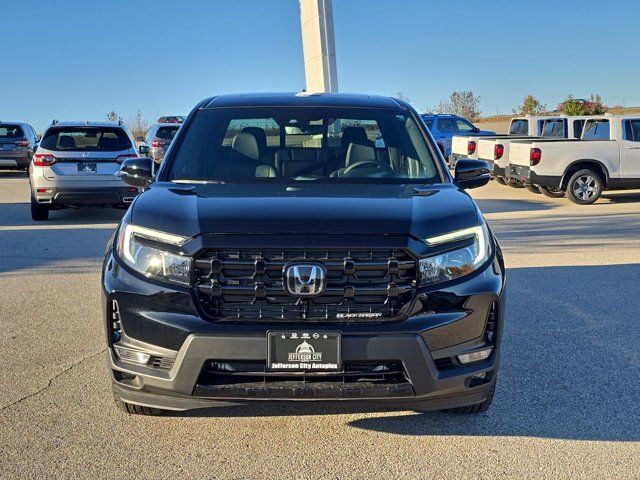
(260, 135)
(355, 135)
(359, 153)
(65, 141)
(246, 144)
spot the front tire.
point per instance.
(552, 192)
(476, 407)
(39, 213)
(585, 187)
(132, 409)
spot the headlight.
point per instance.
(152, 261)
(459, 262)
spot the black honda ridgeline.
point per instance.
(303, 247)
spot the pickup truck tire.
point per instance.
(39, 213)
(514, 183)
(584, 187)
(500, 180)
(532, 189)
(552, 192)
(136, 409)
(476, 407)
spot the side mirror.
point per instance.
(143, 150)
(137, 171)
(471, 173)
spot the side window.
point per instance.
(596, 130)
(577, 128)
(464, 126)
(447, 125)
(632, 130)
(428, 123)
(519, 127)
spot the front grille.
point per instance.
(362, 284)
(252, 380)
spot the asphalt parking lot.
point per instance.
(566, 406)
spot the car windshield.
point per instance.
(323, 144)
(80, 139)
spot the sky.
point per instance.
(79, 59)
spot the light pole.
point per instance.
(318, 44)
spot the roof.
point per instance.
(86, 123)
(439, 115)
(303, 99)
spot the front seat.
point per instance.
(351, 135)
(246, 161)
(355, 154)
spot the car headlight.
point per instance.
(135, 248)
(459, 262)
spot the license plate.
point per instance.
(304, 351)
(87, 168)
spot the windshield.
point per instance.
(89, 139)
(323, 144)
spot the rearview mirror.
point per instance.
(472, 173)
(139, 139)
(137, 171)
(143, 150)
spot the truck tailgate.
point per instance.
(519, 153)
(485, 148)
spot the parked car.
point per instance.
(495, 150)
(159, 137)
(335, 271)
(466, 146)
(444, 127)
(77, 164)
(171, 119)
(18, 142)
(607, 157)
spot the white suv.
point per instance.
(78, 164)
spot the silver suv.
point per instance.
(78, 164)
(159, 137)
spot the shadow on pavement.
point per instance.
(512, 205)
(570, 365)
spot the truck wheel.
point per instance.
(514, 183)
(476, 407)
(136, 409)
(584, 187)
(532, 188)
(39, 213)
(552, 192)
(500, 180)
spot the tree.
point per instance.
(530, 106)
(465, 104)
(138, 125)
(593, 106)
(112, 116)
(401, 96)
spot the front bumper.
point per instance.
(94, 196)
(165, 322)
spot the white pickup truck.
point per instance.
(495, 150)
(607, 157)
(464, 146)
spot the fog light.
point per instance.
(475, 356)
(131, 356)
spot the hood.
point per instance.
(340, 209)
